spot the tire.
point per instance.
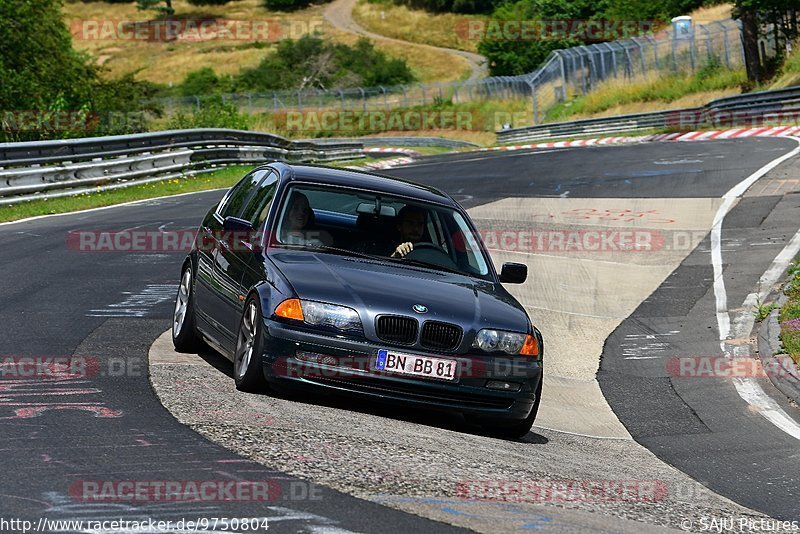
(184, 332)
(247, 371)
(516, 430)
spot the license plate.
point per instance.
(413, 365)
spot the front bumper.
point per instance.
(345, 366)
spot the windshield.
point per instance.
(380, 227)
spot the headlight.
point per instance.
(330, 315)
(509, 342)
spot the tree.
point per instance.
(758, 17)
(166, 8)
(38, 65)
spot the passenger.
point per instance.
(297, 223)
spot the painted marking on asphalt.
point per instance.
(677, 162)
(748, 388)
(138, 304)
(15, 394)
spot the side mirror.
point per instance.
(240, 236)
(513, 273)
(235, 224)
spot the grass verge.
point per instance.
(655, 92)
(224, 177)
(789, 316)
(447, 30)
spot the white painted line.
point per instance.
(748, 388)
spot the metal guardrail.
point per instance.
(747, 109)
(409, 141)
(32, 169)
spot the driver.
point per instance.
(411, 225)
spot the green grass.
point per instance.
(762, 312)
(790, 336)
(224, 177)
(789, 74)
(659, 88)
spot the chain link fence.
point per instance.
(563, 74)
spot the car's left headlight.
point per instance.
(330, 315)
(491, 340)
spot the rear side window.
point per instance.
(257, 209)
(235, 201)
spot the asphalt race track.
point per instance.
(108, 308)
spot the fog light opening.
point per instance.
(502, 385)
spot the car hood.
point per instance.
(374, 288)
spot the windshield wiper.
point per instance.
(433, 266)
(326, 248)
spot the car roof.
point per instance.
(361, 180)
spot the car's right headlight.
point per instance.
(491, 340)
(320, 314)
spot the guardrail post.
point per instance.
(709, 52)
(363, 99)
(535, 103)
(592, 70)
(563, 74)
(655, 50)
(613, 58)
(583, 73)
(341, 98)
(628, 64)
(641, 55)
(197, 102)
(385, 103)
(602, 65)
(727, 45)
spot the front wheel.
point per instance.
(247, 370)
(516, 430)
(184, 333)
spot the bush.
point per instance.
(286, 5)
(451, 6)
(213, 113)
(205, 81)
(311, 62)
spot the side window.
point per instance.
(240, 193)
(257, 209)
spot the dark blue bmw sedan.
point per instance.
(360, 284)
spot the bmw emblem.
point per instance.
(419, 308)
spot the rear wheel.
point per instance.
(247, 371)
(184, 333)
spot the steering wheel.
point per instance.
(431, 253)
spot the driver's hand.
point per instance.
(402, 249)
